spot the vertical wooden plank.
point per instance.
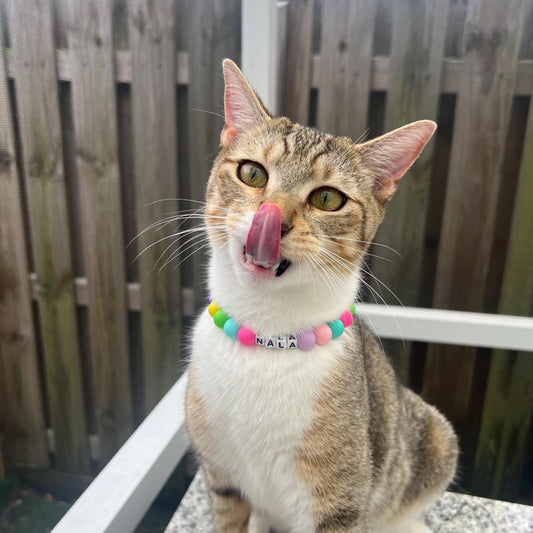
(153, 62)
(216, 36)
(22, 427)
(418, 32)
(91, 45)
(491, 40)
(297, 74)
(345, 61)
(2, 465)
(36, 89)
(507, 415)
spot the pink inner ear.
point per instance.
(230, 99)
(395, 152)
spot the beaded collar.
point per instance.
(305, 341)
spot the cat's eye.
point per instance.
(327, 199)
(252, 174)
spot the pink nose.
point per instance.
(264, 236)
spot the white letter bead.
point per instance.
(259, 340)
(281, 341)
(270, 342)
(292, 341)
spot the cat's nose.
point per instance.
(285, 228)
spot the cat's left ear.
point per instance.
(389, 157)
(243, 108)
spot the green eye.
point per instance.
(327, 199)
(252, 174)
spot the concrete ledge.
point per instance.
(453, 513)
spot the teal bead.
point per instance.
(220, 318)
(231, 328)
(337, 328)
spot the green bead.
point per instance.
(337, 328)
(352, 309)
(220, 318)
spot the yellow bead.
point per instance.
(213, 308)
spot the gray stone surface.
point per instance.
(453, 513)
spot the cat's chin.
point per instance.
(268, 271)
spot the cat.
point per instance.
(320, 437)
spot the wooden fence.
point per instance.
(108, 107)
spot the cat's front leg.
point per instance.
(230, 512)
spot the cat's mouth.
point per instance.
(262, 250)
(264, 268)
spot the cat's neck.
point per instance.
(268, 310)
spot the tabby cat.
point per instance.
(298, 420)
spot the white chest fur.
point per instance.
(259, 405)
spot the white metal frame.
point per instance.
(120, 495)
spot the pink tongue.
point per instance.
(264, 236)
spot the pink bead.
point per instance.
(323, 334)
(346, 318)
(306, 340)
(246, 336)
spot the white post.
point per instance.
(260, 49)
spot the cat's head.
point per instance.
(287, 204)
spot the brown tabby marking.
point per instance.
(363, 447)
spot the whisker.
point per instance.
(357, 241)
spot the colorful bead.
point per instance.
(337, 328)
(220, 318)
(323, 335)
(346, 318)
(231, 328)
(213, 308)
(306, 340)
(209, 299)
(246, 336)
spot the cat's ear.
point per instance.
(388, 157)
(243, 108)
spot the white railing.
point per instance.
(118, 498)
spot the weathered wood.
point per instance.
(297, 73)
(22, 429)
(151, 36)
(507, 415)
(42, 160)
(344, 83)
(491, 40)
(451, 72)
(2, 465)
(216, 36)
(418, 31)
(95, 114)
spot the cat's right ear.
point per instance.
(243, 108)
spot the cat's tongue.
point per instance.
(264, 236)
